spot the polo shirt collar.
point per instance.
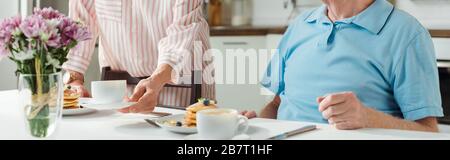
(372, 19)
(319, 15)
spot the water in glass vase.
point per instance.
(43, 124)
(42, 103)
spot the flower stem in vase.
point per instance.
(40, 123)
(39, 116)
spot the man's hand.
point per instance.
(249, 114)
(79, 87)
(147, 91)
(343, 110)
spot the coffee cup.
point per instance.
(108, 92)
(220, 124)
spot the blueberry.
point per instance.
(206, 102)
(179, 124)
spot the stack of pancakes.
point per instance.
(71, 98)
(191, 114)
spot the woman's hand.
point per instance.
(147, 91)
(146, 95)
(78, 86)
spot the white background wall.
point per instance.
(9, 8)
(432, 13)
(273, 13)
(7, 79)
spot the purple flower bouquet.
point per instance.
(39, 45)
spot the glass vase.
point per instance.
(41, 97)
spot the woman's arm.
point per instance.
(79, 58)
(188, 27)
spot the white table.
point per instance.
(108, 125)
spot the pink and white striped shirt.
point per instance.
(138, 35)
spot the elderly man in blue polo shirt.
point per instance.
(356, 64)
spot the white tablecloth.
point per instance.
(106, 124)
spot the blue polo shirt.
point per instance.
(383, 55)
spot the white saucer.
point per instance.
(197, 137)
(176, 129)
(84, 100)
(79, 111)
(91, 103)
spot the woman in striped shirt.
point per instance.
(145, 38)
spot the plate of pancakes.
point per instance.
(71, 103)
(185, 123)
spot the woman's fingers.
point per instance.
(145, 104)
(82, 91)
(139, 91)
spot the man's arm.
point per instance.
(378, 119)
(345, 111)
(271, 109)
